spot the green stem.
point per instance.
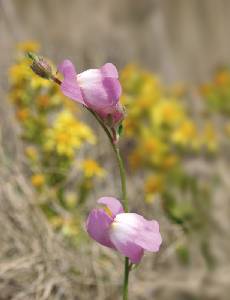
(124, 195)
(126, 279)
(123, 177)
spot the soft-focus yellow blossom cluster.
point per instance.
(160, 127)
(38, 180)
(28, 46)
(67, 135)
(53, 136)
(91, 168)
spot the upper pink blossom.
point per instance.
(97, 89)
(128, 233)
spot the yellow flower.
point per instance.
(150, 90)
(130, 127)
(153, 187)
(38, 180)
(153, 144)
(16, 96)
(28, 46)
(170, 161)
(19, 72)
(43, 101)
(37, 82)
(71, 199)
(67, 135)
(205, 89)
(167, 112)
(22, 114)
(153, 150)
(222, 77)
(91, 169)
(153, 184)
(186, 134)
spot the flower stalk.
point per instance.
(127, 266)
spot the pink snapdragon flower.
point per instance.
(97, 89)
(128, 233)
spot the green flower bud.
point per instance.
(40, 66)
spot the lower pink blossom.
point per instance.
(97, 89)
(128, 233)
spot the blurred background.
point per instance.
(173, 59)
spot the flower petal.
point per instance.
(97, 226)
(150, 238)
(99, 92)
(122, 238)
(69, 85)
(109, 70)
(113, 89)
(148, 235)
(113, 204)
(131, 231)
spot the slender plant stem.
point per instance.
(119, 160)
(124, 195)
(123, 186)
(126, 279)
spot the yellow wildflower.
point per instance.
(28, 46)
(91, 168)
(205, 89)
(186, 134)
(22, 114)
(71, 199)
(67, 135)
(167, 112)
(153, 150)
(153, 187)
(38, 180)
(151, 89)
(170, 161)
(43, 101)
(37, 82)
(16, 96)
(130, 126)
(19, 72)
(153, 184)
(222, 77)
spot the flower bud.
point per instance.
(115, 117)
(40, 66)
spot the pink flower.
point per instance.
(128, 233)
(97, 89)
